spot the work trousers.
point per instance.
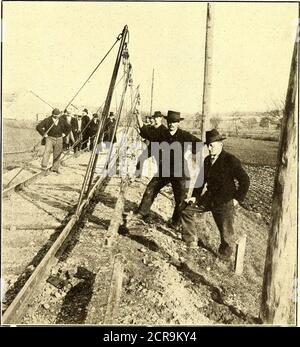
(53, 145)
(153, 188)
(223, 215)
(85, 140)
(78, 139)
(68, 140)
(146, 154)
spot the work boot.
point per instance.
(225, 252)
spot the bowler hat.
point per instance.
(111, 114)
(95, 115)
(173, 117)
(157, 114)
(212, 136)
(85, 110)
(56, 111)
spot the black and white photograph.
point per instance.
(149, 164)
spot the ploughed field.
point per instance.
(259, 159)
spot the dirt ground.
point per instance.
(163, 282)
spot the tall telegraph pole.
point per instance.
(151, 104)
(207, 71)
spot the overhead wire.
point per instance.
(95, 69)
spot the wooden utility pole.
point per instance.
(151, 104)
(207, 71)
(206, 87)
(277, 295)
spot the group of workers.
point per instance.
(224, 185)
(65, 132)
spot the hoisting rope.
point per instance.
(70, 102)
(102, 60)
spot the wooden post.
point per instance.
(240, 254)
(277, 294)
(206, 85)
(207, 71)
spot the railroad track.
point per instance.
(49, 202)
(21, 176)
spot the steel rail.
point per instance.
(17, 308)
(19, 186)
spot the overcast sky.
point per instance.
(52, 47)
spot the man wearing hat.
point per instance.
(153, 132)
(85, 120)
(68, 139)
(53, 129)
(109, 129)
(218, 194)
(171, 167)
(92, 129)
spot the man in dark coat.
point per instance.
(76, 125)
(151, 133)
(92, 129)
(109, 129)
(172, 166)
(85, 119)
(218, 194)
(69, 139)
(53, 129)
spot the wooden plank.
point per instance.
(240, 254)
(17, 187)
(115, 290)
(23, 184)
(14, 227)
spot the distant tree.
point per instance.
(215, 121)
(197, 120)
(235, 122)
(264, 122)
(274, 115)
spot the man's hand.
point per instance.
(139, 120)
(235, 203)
(45, 135)
(191, 200)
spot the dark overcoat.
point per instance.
(220, 178)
